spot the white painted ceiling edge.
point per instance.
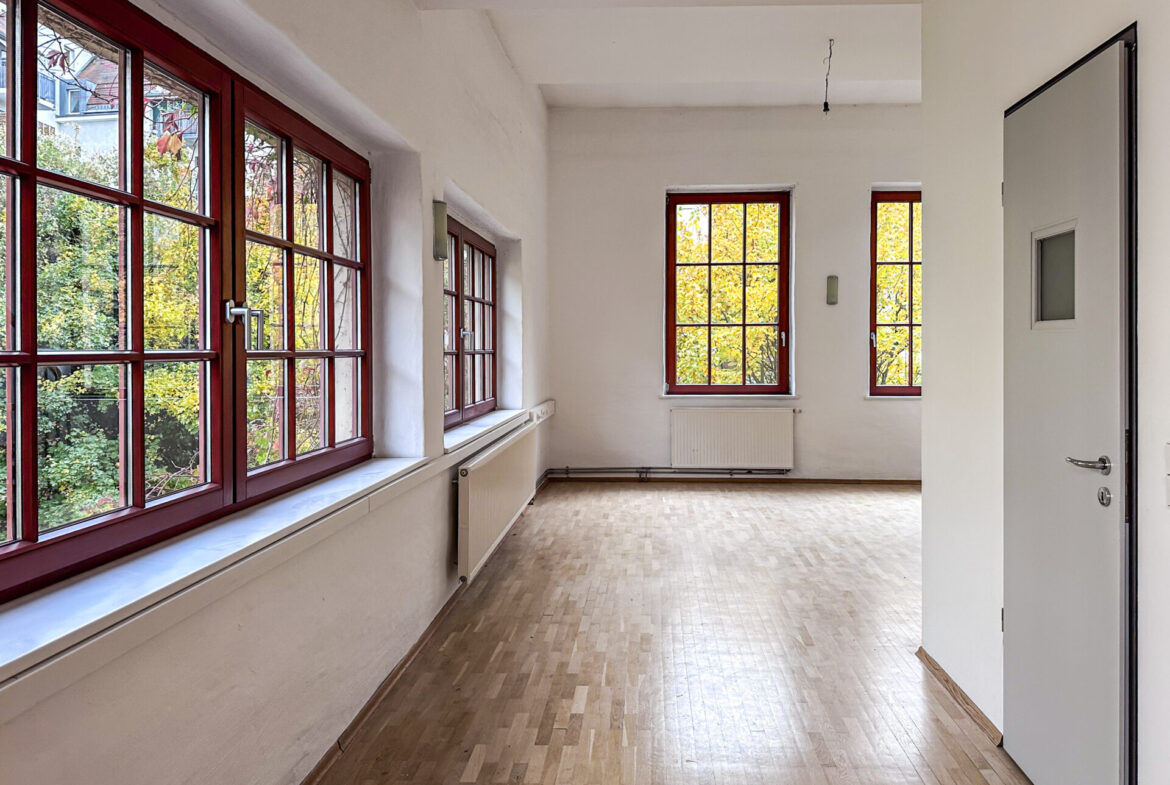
(707, 56)
(434, 5)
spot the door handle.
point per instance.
(1102, 464)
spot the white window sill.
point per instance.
(489, 424)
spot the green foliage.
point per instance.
(82, 304)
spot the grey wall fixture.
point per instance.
(440, 238)
(831, 290)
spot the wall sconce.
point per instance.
(831, 290)
(440, 239)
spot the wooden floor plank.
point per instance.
(643, 633)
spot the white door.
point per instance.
(1064, 397)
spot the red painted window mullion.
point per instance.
(132, 119)
(327, 380)
(26, 240)
(290, 303)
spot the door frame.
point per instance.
(1129, 642)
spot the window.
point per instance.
(896, 293)
(727, 293)
(469, 325)
(132, 411)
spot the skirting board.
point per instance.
(336, 750)
(956, 692)
(738, 479)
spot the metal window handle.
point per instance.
(1102, 464)
(231, 312)
(258, 315)
(873, 340)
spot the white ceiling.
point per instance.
(737, 55)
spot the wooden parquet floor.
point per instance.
(684, 633)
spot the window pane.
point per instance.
(726, 295)
(477, 273)
(263, 211)
(690, 286)
(468, 327)
(468, 381)
(172, 284)
(726, 355)
(893, 293)
(310, 376)
(308, 204)
(81, 419)
(449, 265)
(309, 310)
(7, 388)
(489, 327)
(172, 146)
(480, 327)
(917, 286)
(449, 342)
(917, 356)
(5, 185)
(918, 231)
(345, 216)
(691, 228)
(690, 355)
(345, 308)
(466, 270)
(489, 268)
(265, 402)
(763, 232)
(489, 389)
(763, 355)
(726, 233)
(893, 232)
(479, 378)
(1058, 274)
(346, 396)
(448, 384)
(81, 280)
(80, 77)
(265, 292)
(763, 292)
(6, 70)
(175, 423)
(893, 356)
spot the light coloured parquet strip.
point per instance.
(673, 633)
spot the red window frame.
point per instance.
(30, 559)
(783, 323)
(470, 354)
(915, 266)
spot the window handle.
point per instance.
(873, 340)
(783, 338)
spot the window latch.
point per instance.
(873, 340)
(783, 338)
(231, 312)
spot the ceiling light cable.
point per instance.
(828, 70)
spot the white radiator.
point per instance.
(494, 488)
(731, 438)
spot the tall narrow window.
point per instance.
(727, 293)
(469, 326)
(896, 293)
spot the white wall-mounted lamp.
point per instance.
(440, 239)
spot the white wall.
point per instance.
(609, 174)
(978, 59)
(220, 697)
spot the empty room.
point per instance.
(593, 392)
